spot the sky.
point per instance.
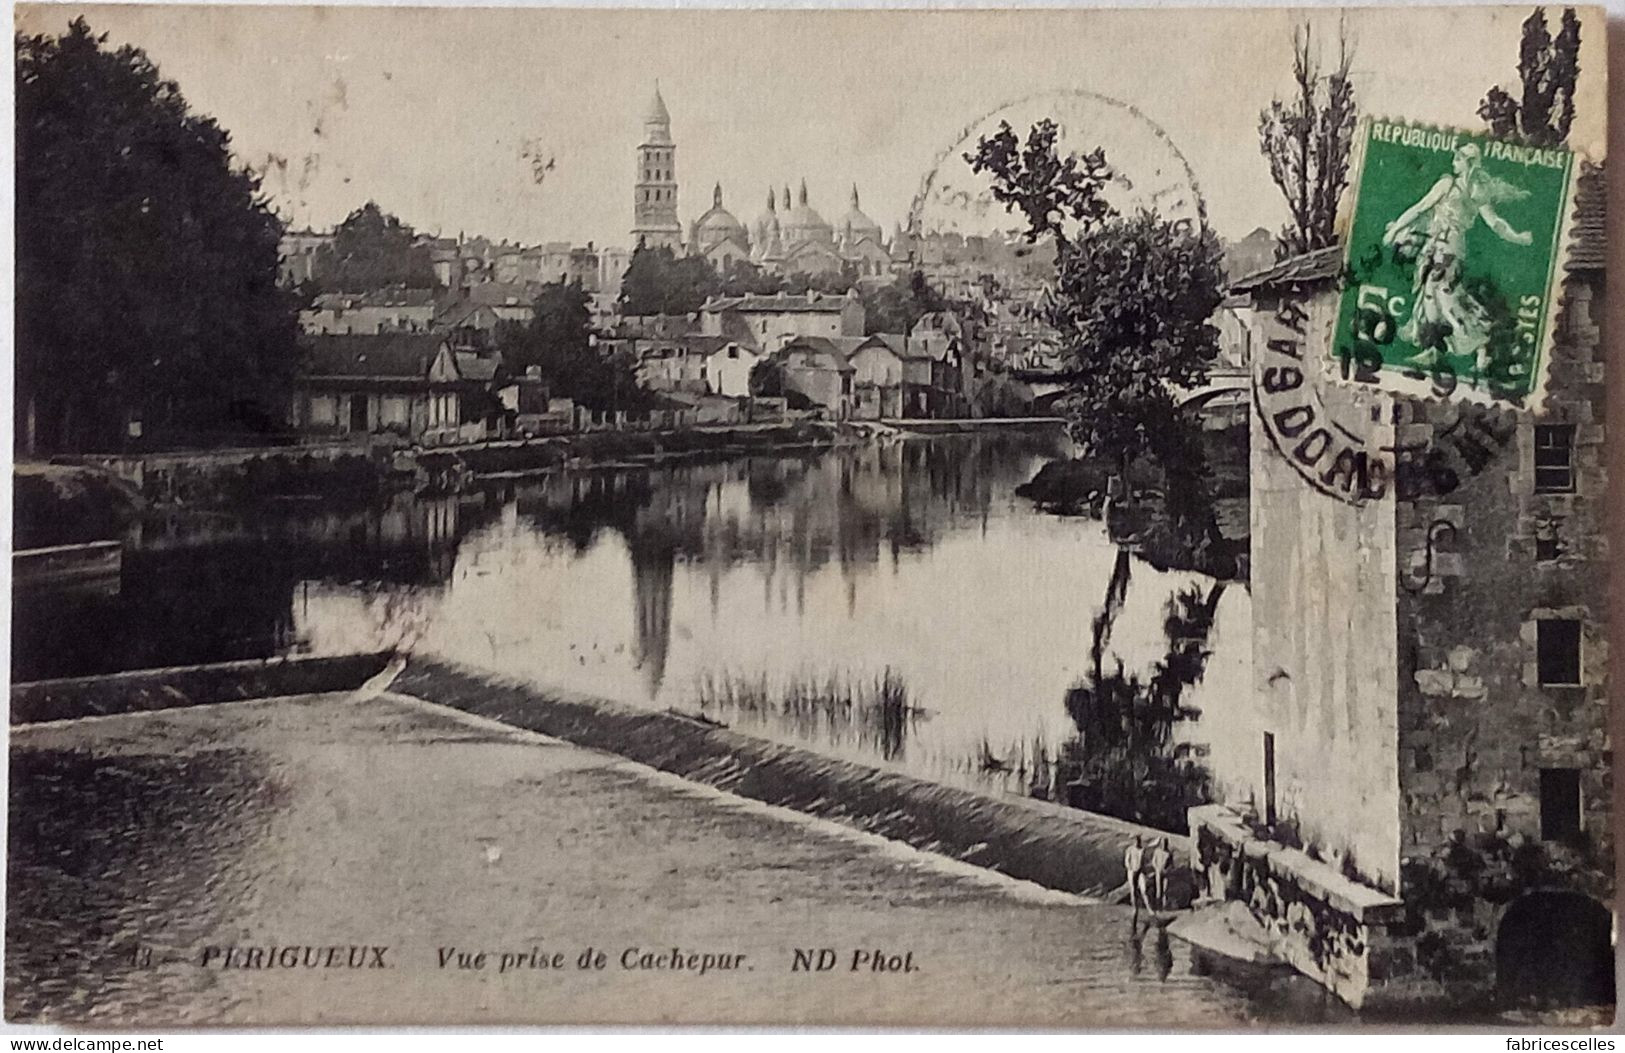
(440, 114)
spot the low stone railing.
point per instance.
(1330, 928)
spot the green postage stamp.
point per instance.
(1452, 263)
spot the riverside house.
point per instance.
(933, 373)
(1416, 798)
(696, 364)
(769, 322)
(414, 386)
(877, 364)
(817, 367)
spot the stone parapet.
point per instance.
(1328, 927)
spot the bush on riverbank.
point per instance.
(56, 504)
(541, 454)
(354, 477)
(1190, 516)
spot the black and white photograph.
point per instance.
(1037, 519)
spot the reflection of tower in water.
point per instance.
(653, 569)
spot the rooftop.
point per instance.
(1318, 266)
(1588, 245)
(826, 353)
(778, 302)
(393, 297)
(386, 355)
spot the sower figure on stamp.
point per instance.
(1134, 866)
(1444, 311)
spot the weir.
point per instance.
(1058, 847)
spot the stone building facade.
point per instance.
(1429, 721)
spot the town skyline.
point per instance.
(517, 127)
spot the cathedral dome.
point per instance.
(803, 224)
(857, 226)
(718, 225)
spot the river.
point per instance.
(893, 603)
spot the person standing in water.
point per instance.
(1134, 865)
(1161, 859)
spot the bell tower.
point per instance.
(654, 208)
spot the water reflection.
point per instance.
(895, 604)
(1126, 760)
(209, 587)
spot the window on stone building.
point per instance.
(1547, 548)
(1557, 646)
(1559, 804)
(1554, 458)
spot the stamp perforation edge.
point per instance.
(1393, 381)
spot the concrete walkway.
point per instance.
(152, 854)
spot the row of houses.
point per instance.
(839, 375)
(467, 262)
(436, 388)
(407, 362)
(481, 307)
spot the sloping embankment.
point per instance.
(1057, 847)
(1060, 848)
(143, 690)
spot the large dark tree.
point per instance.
(658, 281)
(1307, 140)
(1547, 68)
(372, 250)
(895, 307)
(557, 342)
(1132, 306)
(146, 261)
(1050, 190)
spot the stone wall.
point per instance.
(1324, 639)
(1476, 725)
(1333, 930)
(1446, 720)
(200, 477)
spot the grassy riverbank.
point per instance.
(531, 455)
(65, 505)
(100, 496)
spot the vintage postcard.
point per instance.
(1000, 519)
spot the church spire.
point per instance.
(657, 112)
(716, 196)
(787, 197)
(854, 197)
(770, 200)
(803, 195)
